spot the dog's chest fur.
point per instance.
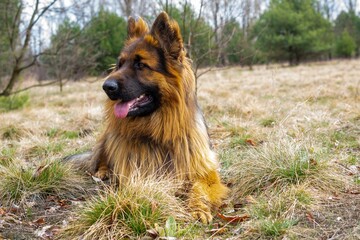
(184, 156)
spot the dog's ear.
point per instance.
(167, 32)
(136, 28)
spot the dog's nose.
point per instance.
(111, 86)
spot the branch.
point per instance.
(204, 72)
(30, 64)
(37, 85)
(32, 22)
(200, 13)
(42, 12)
(11, 30)
(35, 57)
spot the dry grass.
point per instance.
(281, 163)
(129, 211)
(288, 139)
(20, 184)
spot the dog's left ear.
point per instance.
(136, 28)
(167, 32)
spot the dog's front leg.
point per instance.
(100, 160)
(206, 194)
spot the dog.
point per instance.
(153, 122)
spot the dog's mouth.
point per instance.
(122, 109)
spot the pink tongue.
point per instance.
(121, 109)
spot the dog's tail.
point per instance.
(82, 161)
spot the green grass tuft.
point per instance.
(52, 133)
(46, 149)
(239, 140)
(7, 155)
(274, 228)
(268, 122)
(344, 139)
(274, 213)
(55, 132)
(282, 164)
(128, 211)
(70, 134)
(13, 102)
(19, 184)
(11, 132)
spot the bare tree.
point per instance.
(135, 7)
(328, 8)
(250, 11)
(224, 12)
(70, 57)
(24, 33)
(351, 5)
(19, 50)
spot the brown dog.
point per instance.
(154, 125)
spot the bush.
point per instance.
(345, 45)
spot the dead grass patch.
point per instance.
(130, 210)
(283, 162)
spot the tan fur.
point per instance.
(173, 139)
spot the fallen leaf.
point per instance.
(14, 208)
(354, 191)
(40, 221)
(224, 205)
(250, 142)
(2, 211)
(64, 202)
(310, 217)
(152, 233)
(237, 206)
(234, 219)
(313, 162)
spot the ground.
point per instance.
(288, 139)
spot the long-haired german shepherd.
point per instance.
(153, 123)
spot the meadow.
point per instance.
(288, 139)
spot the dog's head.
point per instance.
(143, 78)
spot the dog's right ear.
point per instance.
(136, 28)
(167, 32)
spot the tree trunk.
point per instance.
(23, 48)
(10, 85)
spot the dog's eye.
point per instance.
(139, 65)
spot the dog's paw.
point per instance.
(204, 216)
(102, 174)
(200, 211)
